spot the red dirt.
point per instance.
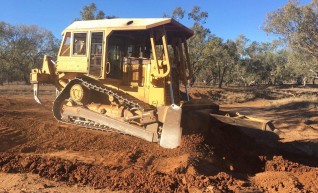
(217, 159)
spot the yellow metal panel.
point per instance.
(119, 23)
(72, 64)
(106, 35)
(156, 96)
(126, 24)
(37, 76)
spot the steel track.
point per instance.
(126, 99)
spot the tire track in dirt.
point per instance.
(10, 137)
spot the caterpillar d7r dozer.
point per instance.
(124, 75)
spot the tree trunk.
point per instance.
(304, 81)
(26, 79)
(219, 72)
(192, 81)
(222, 77)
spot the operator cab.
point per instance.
(124, 50)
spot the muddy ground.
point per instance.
(38, 154)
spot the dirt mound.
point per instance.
(278, 182)
(27, 182)
(282, 175)
(219, 158)
(278, 163)
(112, 177)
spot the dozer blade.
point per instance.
(230, 118)
(35, 93)
(237, 119)
(171, 131)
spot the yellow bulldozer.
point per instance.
(124, 75)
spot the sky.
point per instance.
(227, 18)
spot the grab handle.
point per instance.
(107, 67)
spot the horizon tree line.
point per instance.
(215, 61)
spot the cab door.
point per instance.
(73, 53)
(96, 53)
(115, 56)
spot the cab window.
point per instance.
(65, 51)
(79, 44)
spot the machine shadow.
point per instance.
(241, 151)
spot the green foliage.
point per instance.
(178, 13)
(297, 26)
(197, 15)
(100, 15)
(90, 12)
(22, 47)
(211, 58)
(216, 61)
(257, 66)
(197, 49)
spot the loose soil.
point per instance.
(39, 154)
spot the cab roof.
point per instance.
(122, 24)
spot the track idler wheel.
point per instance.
(79, 94)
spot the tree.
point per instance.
(211, 59)
(90, 12)
(216, 61)
(297, 25)
(198, 40)
(241, 42)
(22, 48)
(225, 58)
(100, 15)
(197, 15)
(178, 13)
(197, 43)
(238, 75)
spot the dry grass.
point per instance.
(293, 102)
(232, 95)
(279, 96)
(23, 89)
